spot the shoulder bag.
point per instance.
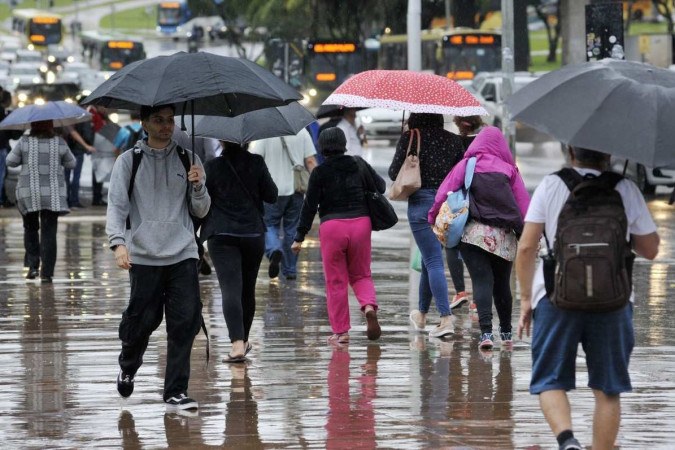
(454, 212)
(300, 172)
(382, 214)
(408, 180)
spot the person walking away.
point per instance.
(439, 151)
(468, 127)
(336, 190)
(80, 138)
(159, 251)
(238, 182)
(498, 201)
(41, 194)
(99, 118)
(281, 217)
(5, 136)
(607, 338)
(354, 132)
(128, 135)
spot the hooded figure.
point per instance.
(498, 202)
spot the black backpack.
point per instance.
(594, 261)
(133, 137)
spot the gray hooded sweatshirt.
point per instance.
(161, 231)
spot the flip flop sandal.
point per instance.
(234, 359)
(249, 347)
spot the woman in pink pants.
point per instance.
(336, 191)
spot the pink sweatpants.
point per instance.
(345, 250)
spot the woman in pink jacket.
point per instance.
(498, 202)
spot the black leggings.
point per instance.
(491, 278)
(39, 240)
(237, 261)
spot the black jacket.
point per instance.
(336, 191)
(232, 209)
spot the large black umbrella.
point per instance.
(197, 83)
(619, 107)
(285, 120)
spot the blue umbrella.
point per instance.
(62, 113)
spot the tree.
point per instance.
(549, 13)
(665, 9)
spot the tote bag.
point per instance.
(454, 212)
(382, 214)
(408, 180)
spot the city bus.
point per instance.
(316, 67)
(171, 16)
(467, 51)
(37, 28)
(108, 52)
(457, 53)
(393, 53)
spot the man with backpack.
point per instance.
(128, 135)
(151, 198)
(592, 222)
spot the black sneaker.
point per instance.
(182, 401)
(275, 259)
(32, 274)
(570, 444)
(125, 384)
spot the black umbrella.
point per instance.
(285, 120)
(332, 111)
(196, 83)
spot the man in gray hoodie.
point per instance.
(158, 249)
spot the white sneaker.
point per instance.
(444, 330)
(418, 320)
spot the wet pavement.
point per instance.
(59, 347)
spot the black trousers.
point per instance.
(39, 240)
(96, 189)
(237, 261)
(491, 278)
(156, 291)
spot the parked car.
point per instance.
(646, 178)
(488, 88)
(381, 123)
(24, 73)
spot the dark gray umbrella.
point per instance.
(260, 124)
(619, 107)
(199, 83)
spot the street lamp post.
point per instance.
(508, 127)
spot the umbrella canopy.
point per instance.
(416, 92)
(62, 113)
(285, 120)
(618, 107)
(213, 84)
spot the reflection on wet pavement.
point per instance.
(59, 348)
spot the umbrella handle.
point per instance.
(192, 107)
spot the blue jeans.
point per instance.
(432, 281)
(3, 169)
(283, 216)
(73, 185)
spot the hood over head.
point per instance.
(490, 141)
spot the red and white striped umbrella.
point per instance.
(416, 92)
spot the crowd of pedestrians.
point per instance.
(163, 202)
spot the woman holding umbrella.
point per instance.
(41, 194)
(439, 151)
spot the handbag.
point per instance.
(454, 212)
(408, 180)
(416, 262)
(300, 172)
(382, 214)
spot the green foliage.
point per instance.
(131, 19)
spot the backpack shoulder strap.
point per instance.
(184, 158)
(570, 177)
(610, 179)
(135, 163)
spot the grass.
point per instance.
(141, 18)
